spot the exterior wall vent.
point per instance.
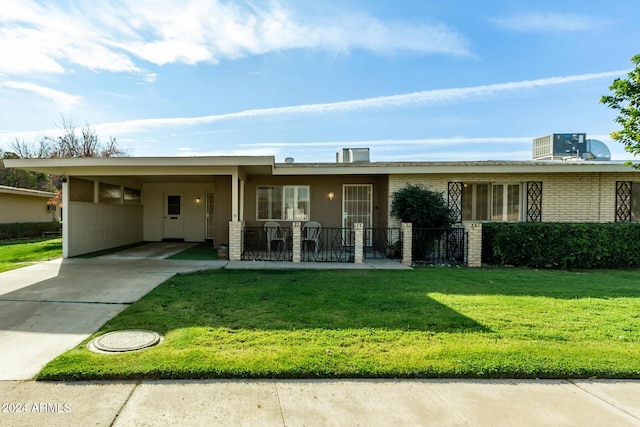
(352, 155)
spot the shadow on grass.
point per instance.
(288, 300)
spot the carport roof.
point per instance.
(148, 168)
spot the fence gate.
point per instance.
(439, 246)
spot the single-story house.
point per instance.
(20, 205)
(110, 202)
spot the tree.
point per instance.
(422, 207)
(626, 100)
(70, 143)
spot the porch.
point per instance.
(300, 243)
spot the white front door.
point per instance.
(357, 207)
(173, 217)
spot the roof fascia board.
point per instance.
(454, 168)
(25, 192)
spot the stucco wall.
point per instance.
(16, 208)
(566, 197)
(326, 212)
(97, 226)
(194, 213)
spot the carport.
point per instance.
(112, 202)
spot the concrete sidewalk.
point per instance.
(323, 403)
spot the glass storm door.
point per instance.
(211, 223)
(357, 204)
(173, 217)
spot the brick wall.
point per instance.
(566, 197)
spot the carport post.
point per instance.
(65, 218)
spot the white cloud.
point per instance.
(46, 38)
(63, 100)
(423, 98)
(395, 142)
(547, 22)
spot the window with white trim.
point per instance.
(491, 202)
(283, 202)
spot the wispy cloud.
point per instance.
(63, 101)
(39, 37)
(423, 98)
(394, 142)
(547, 22)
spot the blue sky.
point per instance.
(413, 80)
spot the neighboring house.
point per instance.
(19, 205)
(111, 202)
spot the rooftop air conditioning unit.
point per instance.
(352, 155)
(559, 146)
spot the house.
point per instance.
(20, 205)
(110, 202)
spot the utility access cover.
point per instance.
(122, 341)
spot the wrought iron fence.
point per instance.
(266, 244)
(328, 245)
(439, 246)
(382, 243)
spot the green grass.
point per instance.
(203, 251)
(20, 253)
(431, 322)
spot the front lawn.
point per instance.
(20, 253)
(430, 322)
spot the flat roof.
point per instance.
(25, 192)
(265, 165)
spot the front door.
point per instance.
(357, 207)
(173, 221)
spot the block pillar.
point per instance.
(474, 244)
(407, 243)
(235, 240)
(358, 248)
(296, 244)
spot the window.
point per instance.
(110, 194)
(635, 201)
(132, 196)
(81, 190)
(289, 203)
(495, 202)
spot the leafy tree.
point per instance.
(626, 100)
(422, 207)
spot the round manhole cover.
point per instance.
(129, 340)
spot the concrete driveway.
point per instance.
(49, 308)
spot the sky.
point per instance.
(421, 80)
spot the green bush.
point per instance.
(562, 245)
(28, 229)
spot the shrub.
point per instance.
(28, 229)
(562, 245)
(422, 207)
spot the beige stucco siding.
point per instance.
(326, 212)
(193, 212)
(566, 197)
(16, 208)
